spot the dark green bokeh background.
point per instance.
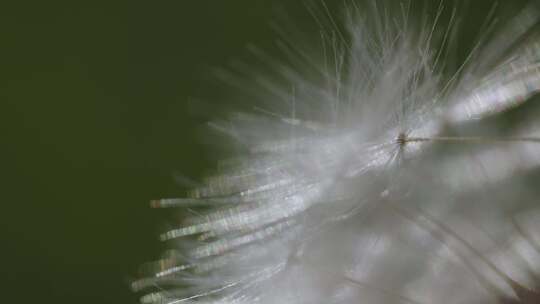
(97, 118)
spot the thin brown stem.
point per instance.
(470, 139)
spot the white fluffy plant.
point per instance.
(378, 173)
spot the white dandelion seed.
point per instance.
(373, 189)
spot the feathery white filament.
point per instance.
(350, 200)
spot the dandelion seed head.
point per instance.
(355, 181)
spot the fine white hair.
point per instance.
(373, 169)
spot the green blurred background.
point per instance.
(100, 114)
